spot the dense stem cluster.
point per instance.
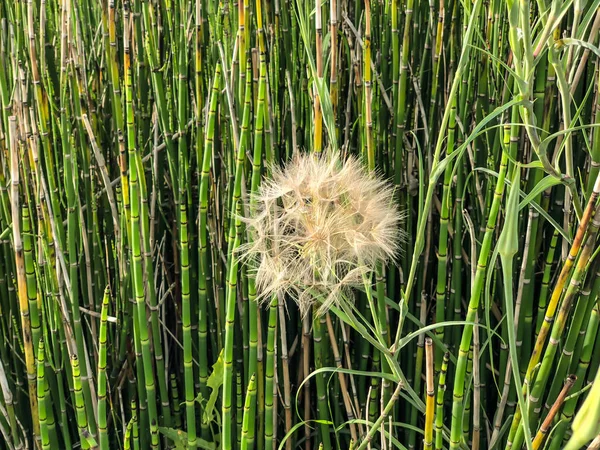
(309, 224)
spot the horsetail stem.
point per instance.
(140, 142)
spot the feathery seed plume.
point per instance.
(318, 226)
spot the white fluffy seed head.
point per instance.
(318, 226)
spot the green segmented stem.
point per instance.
(476, 290)
(41, 397)
(285, 369)
(158, 83)
(71, 186)
(456, 288)
(201, 266)
(136, 244)
(249, 419)
(149, 276)
(184, 189)
(135, 428)
(232, 280)
(82, 423)
(102, 381)
(30, 276)
(140, 386)
(127, 436)
(186, 316)
(270, 374)
(236, 207)
(175, 396)
(204, 278)
(253, 313)
(21, 278)
(322, 397)
(132, 430)
(439, 402)
(543, 296)
(401, 96)
(239, 406)
(442, 253)
(110, 30)
(467, 411)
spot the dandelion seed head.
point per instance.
(318, 226)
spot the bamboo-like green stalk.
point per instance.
(127, 435)
(466, 426)
(202, 263)
(71, 170)
(239, 406)
(136, 247)
(249, 420)
(230, 300)
(439, 403)
(21, 277)
(175, 395)
(270, 375)
(149, 273)
(103, 440)
(285, 369)
(135, 426)
(82, 424)
(461, 365)
(190, 402)
(41, 397)
(322, 407)
(30, 276)
(543, 296)
(442, 253)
